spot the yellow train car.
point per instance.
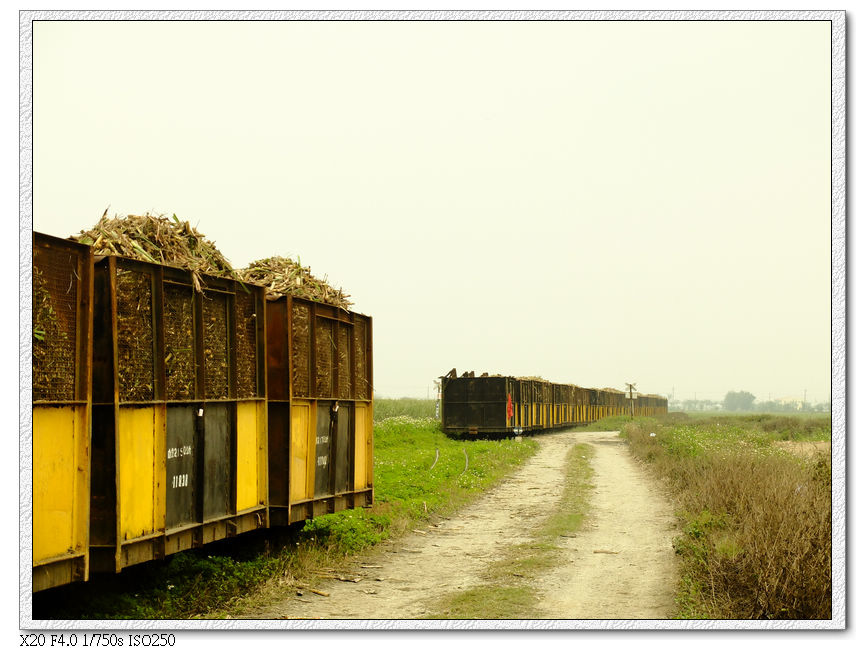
(179, 412)
(320, 442)
(151, 431)
(62, 339)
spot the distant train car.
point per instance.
(489, 405)
(498, 405)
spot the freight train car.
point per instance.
(498, 405)
(151, 405)
(319, 365)
(62, 339)
(179, 412)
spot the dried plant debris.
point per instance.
(300, 353)
(215, 318)
(284, 276)
(343, 360)
(245, 317)
(361, 377)
(53, 341)
(324, 346)
(159, 240)
(135, 336)
(179, 336)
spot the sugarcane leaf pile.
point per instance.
(53, 350)
(135, 334)
(283, 276)
(159, 240)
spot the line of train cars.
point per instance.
(166, 417)
(493, 405)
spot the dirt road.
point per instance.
(620, 566)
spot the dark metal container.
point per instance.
(319, 368)
(479, 405)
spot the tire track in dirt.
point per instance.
(400, 579)
(621, 565)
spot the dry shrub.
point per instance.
(756, 542)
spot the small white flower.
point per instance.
(651, 435)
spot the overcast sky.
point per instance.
(591, 202)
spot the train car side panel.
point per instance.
(137, 429)
(57, 433)
(251, 454)
(362, 447)
(301, 486)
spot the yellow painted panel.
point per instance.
(298, 489)
(362, 446)
(54, 469)
(249, 468)
(136, 432)
(263, 478)
(160, 459)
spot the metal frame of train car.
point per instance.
(63, 328)
(496, 405)
(179, 426)
(320, 444)
(159, 440)
(480, 405)
(500, 405)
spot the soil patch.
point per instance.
(621, 566)
(807, 449)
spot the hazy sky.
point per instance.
(591, 202)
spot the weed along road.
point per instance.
(579, 531)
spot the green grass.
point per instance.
(186, 584)
(508, 590)
(755, 520)
(611, 423)
(383, 408)
(410, 486)
(419, 470)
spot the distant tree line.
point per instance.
(740, 401)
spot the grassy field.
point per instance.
(383, 408)
(419, 473)
(755, 519)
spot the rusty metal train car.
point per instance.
(62, 340)
(319, 370)
(167, 417)
(499, 405)
(179, 412)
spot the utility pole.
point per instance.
(631, 387)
